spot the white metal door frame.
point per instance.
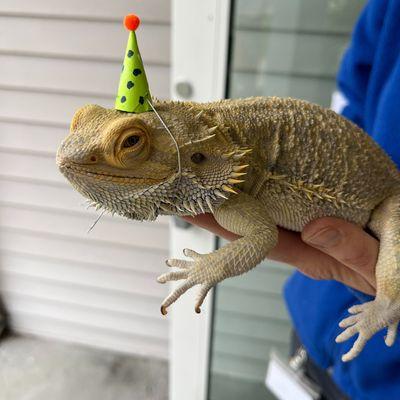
(200, 32)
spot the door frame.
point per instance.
(200, 40)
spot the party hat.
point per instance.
(133, 92)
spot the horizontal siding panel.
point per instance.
(136, 307)
(142, 287)
(312, 89)
(239, 367)
(42, 107)
(81, 39)
(319, 16)
(257, 281)
(19, 136)
(80, 76)
(240, 347)
(58, 281)
(286, 53)
(20, 165)
(52, 197)
(59, 329)
(254, 304)
(56, 198)
(131, 233)
(132, 258)
(149, 10)
(251, 328)
(95, 317)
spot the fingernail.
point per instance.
(326, 237)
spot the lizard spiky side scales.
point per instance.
(255, 164)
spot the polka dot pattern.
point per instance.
(133, 89)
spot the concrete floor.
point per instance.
(35, 369)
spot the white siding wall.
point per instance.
(56, 280)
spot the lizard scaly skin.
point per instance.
(255, 164)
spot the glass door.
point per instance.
(280, 48)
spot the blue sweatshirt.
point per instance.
(369, 80)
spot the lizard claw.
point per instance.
(178, 292)
(201, 296)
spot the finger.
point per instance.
(346, 334)
(356, 349)
(346, 242)
(344, 323)
(172, 276)
(391, 334)
(314, 263)
(355, 309)
(174, 263)
(200, 297)
(178, 292)
(191, 253)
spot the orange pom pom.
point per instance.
(131, 22)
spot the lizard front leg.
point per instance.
(242, 215)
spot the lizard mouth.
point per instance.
(69, 170)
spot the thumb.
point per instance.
(346, 242)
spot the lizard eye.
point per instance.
(131, 141)
(197, 158)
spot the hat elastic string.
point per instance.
(172, 136)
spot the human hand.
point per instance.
(328, 248)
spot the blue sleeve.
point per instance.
(355, 69)
(361, 297)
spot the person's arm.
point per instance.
(328, 248)
(355, 69)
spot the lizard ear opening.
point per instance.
(198, 158)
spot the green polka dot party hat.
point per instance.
(133, 92)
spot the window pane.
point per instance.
(280, 48)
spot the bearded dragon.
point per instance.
(255, 164)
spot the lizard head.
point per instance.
(130, 165)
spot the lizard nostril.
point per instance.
(93, 159)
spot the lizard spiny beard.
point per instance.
(181, 194)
